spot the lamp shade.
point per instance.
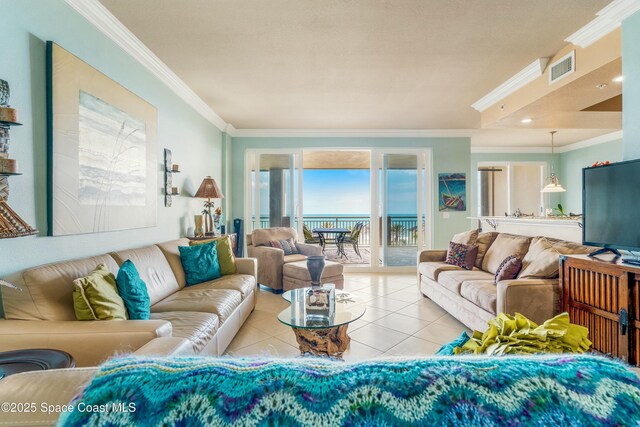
(554, 186)
(209, 189)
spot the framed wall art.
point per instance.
(101, 147)
(452, 191)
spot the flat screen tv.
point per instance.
(611, 207)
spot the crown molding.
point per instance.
(353, 133)
(230, 130)
(608, 137)
(522, 78)
(613, 136)
(510, 150)
(98, 15)
(607, 20)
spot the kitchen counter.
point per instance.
(565, 228)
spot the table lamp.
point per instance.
(209, 190)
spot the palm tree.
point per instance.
(396, 232)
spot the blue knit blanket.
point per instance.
(439, 391)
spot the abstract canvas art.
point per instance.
(101, 149)
(452, 191)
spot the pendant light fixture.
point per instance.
(554, 185)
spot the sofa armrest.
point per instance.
(309, 249)
(247, 266)
(166, 346)
(270, 262)
(431, 255)
(51, 388)
(89, 342)
(537, 299)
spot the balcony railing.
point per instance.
(402, 230)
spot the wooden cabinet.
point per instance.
(603, 296)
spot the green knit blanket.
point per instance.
(439, 391)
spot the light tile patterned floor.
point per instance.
(399, 322)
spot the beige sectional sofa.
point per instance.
(199, 319)
(473, 297)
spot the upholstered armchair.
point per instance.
(270, 259)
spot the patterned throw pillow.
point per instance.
(288, 246)
(508, 269)
(461, 255)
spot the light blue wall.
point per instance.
(24, 27)
(570, 170)
(631, 86)
(448, 155)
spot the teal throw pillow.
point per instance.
(200, 263)
(447, 349)
(133, 291)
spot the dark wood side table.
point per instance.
(37, 359)
(233, 236)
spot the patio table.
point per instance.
(339, 232)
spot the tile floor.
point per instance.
(399, 321)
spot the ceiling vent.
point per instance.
(562, 67)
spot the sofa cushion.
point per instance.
(503, 246)
(294, 258)
(226, 258)
(96, 297)
(133, 291)
(219, 301)
(298, 270)
(452, 280)
(243, 283)
(262, 236)
(154, 270)
(467, 238)
(542, 259)
(196, 327)
(172, 254)
(508, 269)
(200, 262)
(484, 241)
(47, 290)
(482, 293)
(461, 255)
(432, 269)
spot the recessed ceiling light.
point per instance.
(527, 120)
(601, 86)
(618, 79)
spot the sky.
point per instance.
(347, 192)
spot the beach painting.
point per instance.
(103, 168)
(111, 156)
(452, 191)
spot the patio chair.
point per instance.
(309, 237)
(272, 259)
(352, 238)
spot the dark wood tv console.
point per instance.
(603, 295)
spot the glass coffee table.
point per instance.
(321, 335)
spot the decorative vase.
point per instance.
(315, 265)
(198, 230)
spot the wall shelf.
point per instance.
(10, 173)
(3, 123)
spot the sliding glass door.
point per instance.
(401, 199)
(371, 204)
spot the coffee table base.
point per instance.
(323, 342)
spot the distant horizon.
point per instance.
(342, 192)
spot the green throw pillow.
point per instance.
(133, 291)
(200, 263)
(95, 297)
(225, 253)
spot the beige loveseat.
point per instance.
(272, 260)
(202, 318)
(473, 297)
